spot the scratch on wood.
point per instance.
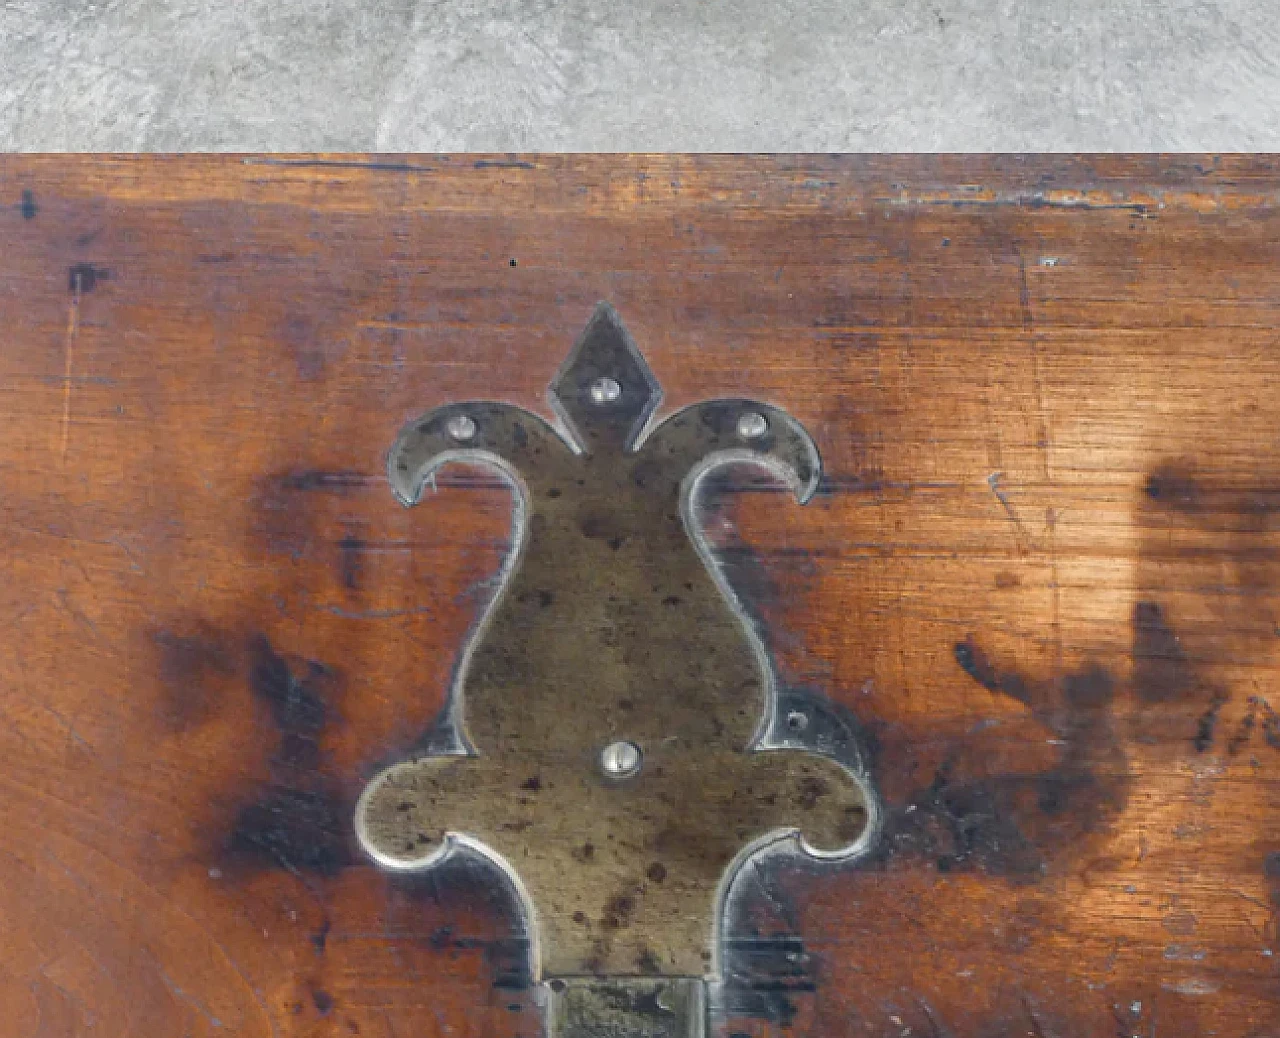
(785, 912)
(90, 1017)
(73, 330)
(935, 1030)
(387, 167)
(376, 614)
(1023, 535)
(188, 998)
(1258, 931)
(1062, 199)
(1036, 1027)
(1043, 440)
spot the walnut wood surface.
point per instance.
(1041, 571)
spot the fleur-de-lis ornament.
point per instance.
(612, 735)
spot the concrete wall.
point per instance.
(812, 75)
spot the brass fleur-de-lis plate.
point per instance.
(613, 737)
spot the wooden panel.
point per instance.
(1042, 572)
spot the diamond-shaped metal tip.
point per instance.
(604, 390)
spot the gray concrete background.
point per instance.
(739, 75)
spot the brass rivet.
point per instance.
(460, 427)
(752, 425)
(605, 390)
(620, 759)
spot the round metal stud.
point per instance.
(605, 390)
(620, 759)
(752, 425)
(460, 427)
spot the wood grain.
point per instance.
(1042, 572)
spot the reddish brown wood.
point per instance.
(1042, 571)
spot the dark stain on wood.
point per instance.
(1208, 527)
(298, 830)
(767, 976)
(1271, 870)
(763, 581)
(1172, 484)
(194, 661)
(1257, 710)
(1220, 523)
(1015, 825)
(974, 662)
(339, 482)
(467, 885)
(84, 277)
(1160, 668)
(352, 549)
(309, 339)
(29, 208)
(1208, 722)
(299, 821)
(297, 705)
(291, 519)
